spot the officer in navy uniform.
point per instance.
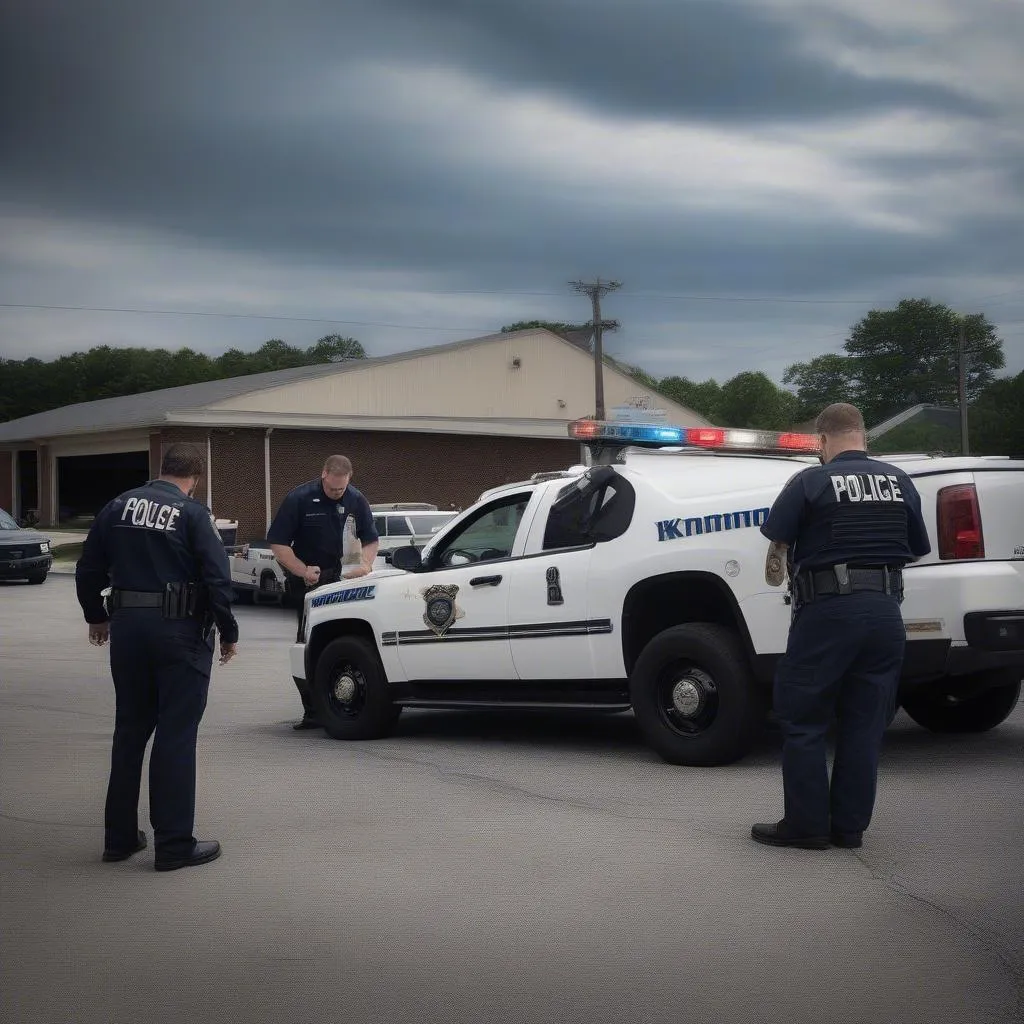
(846, 529)
(307, 537)
(160, 552)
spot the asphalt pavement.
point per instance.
(478, 868)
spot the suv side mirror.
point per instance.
(407, 558)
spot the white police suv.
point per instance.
(639, 582)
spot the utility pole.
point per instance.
(595, 290)
(961, 362)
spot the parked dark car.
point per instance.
(24, 554)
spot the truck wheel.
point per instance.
(694, 696)
(37, 577)
(977, 712)
(350, 691)
(266, 592)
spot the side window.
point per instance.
(597, 514)
(489, 535)
(398, 526)
(380, 525)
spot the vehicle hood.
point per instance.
(22, 537)
(377, 574)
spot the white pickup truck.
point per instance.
(640, 584)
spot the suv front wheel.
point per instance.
(350, 691)
(693, 696)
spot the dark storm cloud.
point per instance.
(180, 114)
(260, 128)
(704, 59)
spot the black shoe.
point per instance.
(202, 853)
(111, 855)
(848, 840)
(308, 722)
(780, 835)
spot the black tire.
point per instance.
(266, 592)
(351, 665)
(937, 711)
(37, 577)
(700, 665)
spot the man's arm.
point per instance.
(775, 564)
(92, 572)
(215, 573)
(917, 532)
(288, 559)
(281, 535)
(368, 538)
(781, 528)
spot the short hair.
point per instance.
(182, 461)
(839, 418)
(338, 465)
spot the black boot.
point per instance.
(782, 835)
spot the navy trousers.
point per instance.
(296, 589)
(842, 663)
(161, 670)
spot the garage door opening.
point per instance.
(85, 483)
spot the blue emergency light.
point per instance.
(723, 439)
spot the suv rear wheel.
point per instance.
(977, 712)
(694, 696)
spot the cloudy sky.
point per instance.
(757, 173)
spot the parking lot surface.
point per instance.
(473, 867)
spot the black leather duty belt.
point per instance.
(136, 599)
(845, 579)
(176, 600)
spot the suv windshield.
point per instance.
(423, 525)
(6, 522)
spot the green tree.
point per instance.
(333, 348)
(908, 355)
(996, 421)
(31, 385)
(820, 382)
(704, 398)
(751, 399)
(555, 326)
(931, 438)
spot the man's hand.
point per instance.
(356, 571)
(775, 564)
(311, 575)
(227, 652)
(99, 633)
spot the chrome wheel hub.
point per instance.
(687, 698)
(345, 688)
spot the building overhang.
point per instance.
(522, 428)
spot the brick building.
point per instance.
(438, 424)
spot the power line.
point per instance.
(233, 316)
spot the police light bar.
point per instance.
(712, 438)
(636, 433)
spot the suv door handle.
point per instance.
(485, 581)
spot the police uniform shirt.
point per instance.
(314, 524)
(151, 536)
(854, 510)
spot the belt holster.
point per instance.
(183, 600)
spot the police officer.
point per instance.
(306, 537)
(846, 529)
(159, 550)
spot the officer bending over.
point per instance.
(160, 551)
(846, 528)
(307, 537)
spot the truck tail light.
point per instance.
(959, 518)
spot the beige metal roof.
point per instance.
(319, 397)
